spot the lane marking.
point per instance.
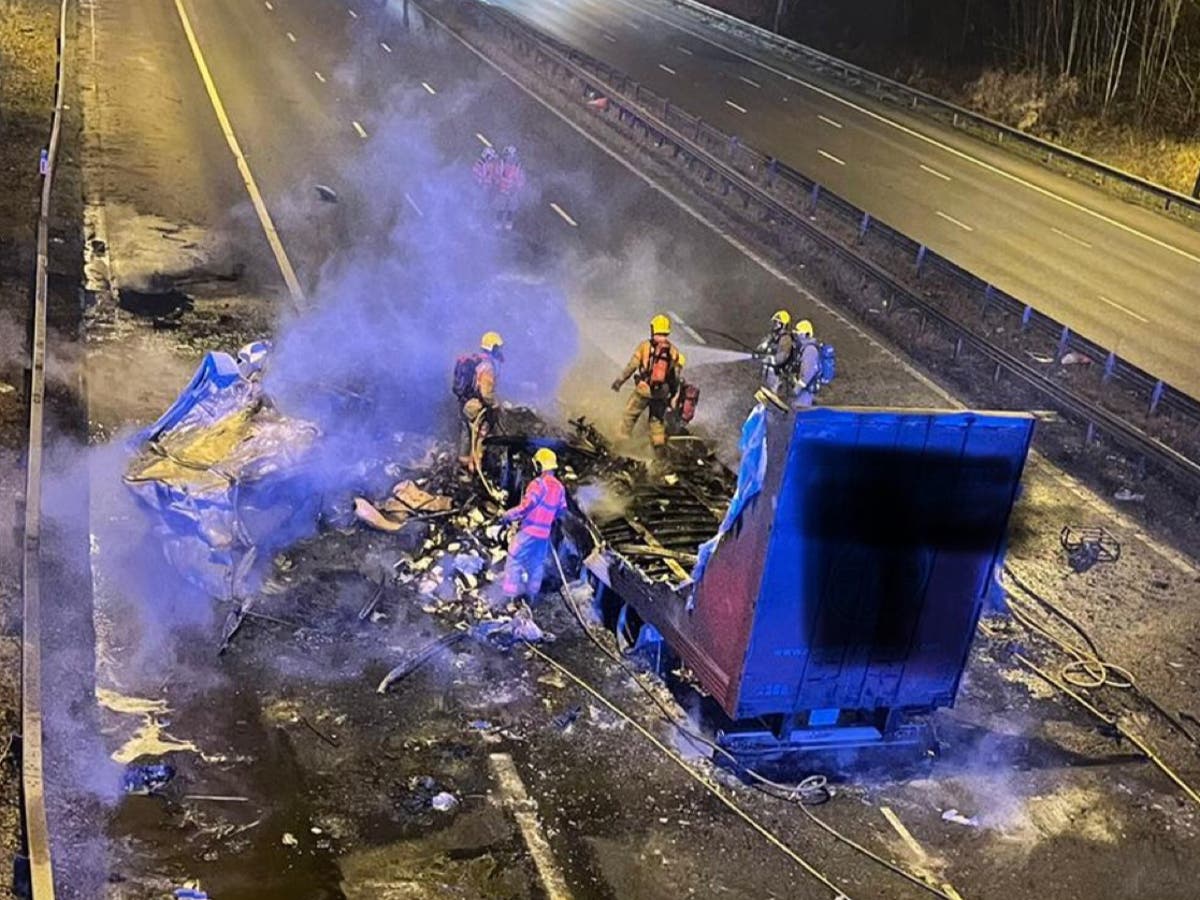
(692, 332)
(362, 132)
(684, 50)
(826, 120)
(513, 796)
(483, 140)
(413, 204)
(749, 81)
(353, 14)
(740, 109)
(1129, 312)
(935, 173)
(1070, 237)
(562, 212)
(931, 141)
(608, 37)
(905, 835)
(260, 207)
(320, 77)
(386, 48)
(953, 221)
(666, 69)
(831, 157)
(425, 85)
(269, 6)
(291, 37)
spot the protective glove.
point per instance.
(616, 386)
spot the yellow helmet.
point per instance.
(491, 340)
(660, 324)
(546, 459)
(804, 328)
(782, 317)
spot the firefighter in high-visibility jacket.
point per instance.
(475, 388)
(654, 367)
(544, 498)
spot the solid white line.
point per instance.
(260, 207)
(428, 88)
(685, 51)
(954, 221)
(831, 157)
(935, 172)
(905, 835)
(666, 69)
(386, 48)
(740, 109)
(1129, 312)
(483, 140)
(413, 204)
(353, 14)
(291, 37)
(749, 81)
(362, 133)
(562, 212)
(692, 332)
(1070, 237)
(513, 795)
(829, 121)
(320, 77)
(933, 142)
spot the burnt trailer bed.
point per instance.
(844, 598)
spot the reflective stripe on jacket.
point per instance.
(545, 497)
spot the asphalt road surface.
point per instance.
(1118, 274)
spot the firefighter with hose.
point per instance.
(543, 500)
(655, 369)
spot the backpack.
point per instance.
(463, 386)
(689, 396)
(826, 363)
(660, 366)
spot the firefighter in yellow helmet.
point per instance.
(654, 367)
(543, 500)
(807, 365)
(778, 354)
(475, 389)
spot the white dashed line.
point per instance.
(953, 221)
(608, 37)
(749, 81)
(563, 213)
(386, 48)
(269, 6)
(831, 157)
(353, 14)
(320, 77)
(425, 85)
(827, 120)
(483, 140)
(692, 332)
(666, 69)
(1070, 237)
(362, 132)
(413, 204)
(685, 51)
(934, 172)
(291, 37)
(1129, 312)
(740, 109)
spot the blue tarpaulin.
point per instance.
(209, 386)
(751, 472)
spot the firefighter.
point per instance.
(475, 388)
(485, 169)
(778, 354)
(544, 498)
(510, 181)
(654, 367)
(807, 365)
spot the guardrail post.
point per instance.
(1026, 316)
(1062, 341)
(732, 148)
(815, 196)
(988, 293)
(772, 170)
(699, 122)
(1091, 433)
(1156, 396)
(920, 256)
(957, 348)
(1110, 366)
(864, 225)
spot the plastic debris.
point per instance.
(1125, 495)
(564, 721)
(1076, 359)
(953, 815)
(289, 840)
(190, 892)
(444, 802)
(146, 779)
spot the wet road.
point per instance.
(317, 95)
(1119, 274)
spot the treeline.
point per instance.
(1137, 60)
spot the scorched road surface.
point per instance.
(1121, 275)
(312, 784)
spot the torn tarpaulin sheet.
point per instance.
(751, 472)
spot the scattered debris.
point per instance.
(553, 679)
(444, 801)
(953, 815)
(1125, 495)
(217, 798)
(147, 779)
(564, 721)
(289, 840)
(331, 741)
(406, 500)
(373, 600)
(6, 388)
(480, 725)
(1088, 545)
(1075, 358)
(326, 193)
(403, 670)
(190, 892)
